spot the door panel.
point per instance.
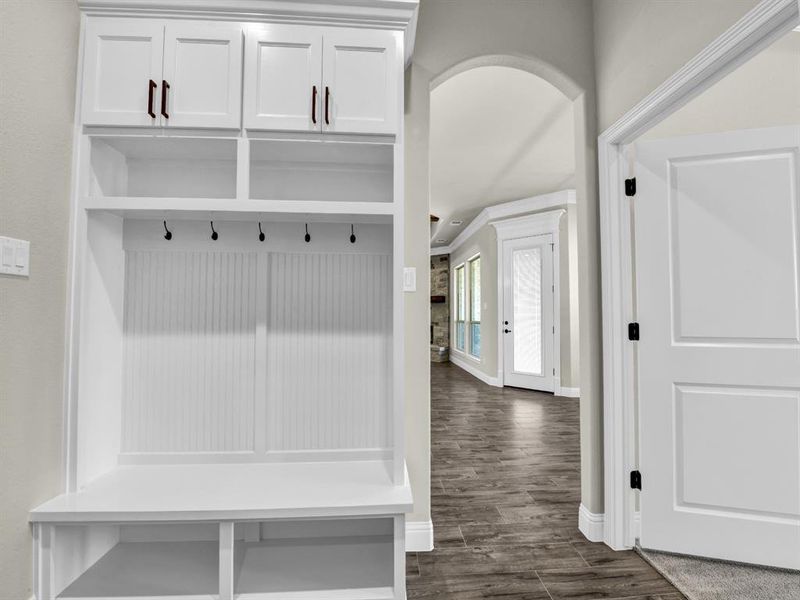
(528, 313)
(203, 67)
(719, 355)
(283, 65)
(121, 58)
(526, 266)
(360, 77)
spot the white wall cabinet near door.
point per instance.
(359, 81)
(152, 74)
(283, 66)
(122, 70)
(303, 79)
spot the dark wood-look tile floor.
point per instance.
(505, 493)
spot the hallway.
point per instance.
(505, 479)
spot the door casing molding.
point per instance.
(528, 226)
(763, 25)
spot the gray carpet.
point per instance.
(703, 579)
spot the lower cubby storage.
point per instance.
(353, 558)
(175, 561)
(347, 559)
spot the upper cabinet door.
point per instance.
(202, 83)
(283, 69)
(122, 72)
(360, 81)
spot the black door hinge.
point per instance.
(633, 332)
(636, 480)
(630, 186)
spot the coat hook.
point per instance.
(261, 236)
(214, 234)
(168, 234)
(308, 235)
(352, 235)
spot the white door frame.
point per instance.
(757, 29)
(528, 226)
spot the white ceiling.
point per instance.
(497, 134)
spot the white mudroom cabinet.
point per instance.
(234, 390)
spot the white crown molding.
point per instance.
(767, 22)
(591, 525)
(419, 536)
(399, 15)
(507, 209)
(535, 224)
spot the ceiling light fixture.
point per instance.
(456, 222)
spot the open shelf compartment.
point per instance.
(162, 167)
(345, 558)
(179, 561)
(334, 558)
(321, 171)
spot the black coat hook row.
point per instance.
(352, 235)
(308, 235)
(168, 233)
(214, 234)
(261, 236)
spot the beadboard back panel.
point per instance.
(329, 352)
(189, 354)
(237, 352)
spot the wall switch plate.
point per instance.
(410, 279)
(15, 257)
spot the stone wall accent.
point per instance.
(440, 312)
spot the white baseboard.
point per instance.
(591, 525)
(568, 392)
(474, 371)
(419, 536)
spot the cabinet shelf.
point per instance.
(177, 570)
(231, 492)
(344, 567)
(237, 210)
(331, 172)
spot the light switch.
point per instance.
(21, 256)
(410, 279)
(8, 255)
(15, 256)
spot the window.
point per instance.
(460, 312)
(467, 309)
(474, 293)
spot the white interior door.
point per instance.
(360, 81)
(719, 355)
(203, 69)
(283, 71)
(528, 334)
(122, 72)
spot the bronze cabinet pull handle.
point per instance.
(153, 86)
(327, 98)
(164, 88)
(314, 105)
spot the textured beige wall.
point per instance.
(640, 43)
(38, 50)
(763, 92)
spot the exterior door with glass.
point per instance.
(528, 324)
